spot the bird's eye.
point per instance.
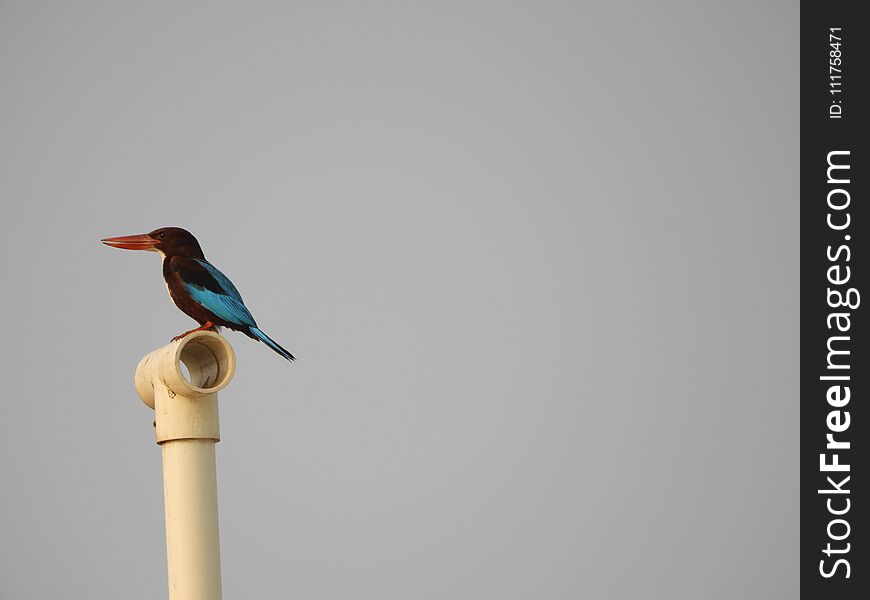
(161, 235)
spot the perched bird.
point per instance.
(195, 285)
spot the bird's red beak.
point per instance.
(132, 242)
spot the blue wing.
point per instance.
(216, 293)
(222, 280)
(228, 309)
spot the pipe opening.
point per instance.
(184, 371)
(205, 363)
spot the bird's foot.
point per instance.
(206, 326)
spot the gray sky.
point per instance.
(538, 261)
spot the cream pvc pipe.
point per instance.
(187, 429)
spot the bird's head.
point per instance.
(168, 241)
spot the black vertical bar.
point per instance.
(834, 260)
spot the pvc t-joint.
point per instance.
(186, 408)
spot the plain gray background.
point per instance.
(538, 260)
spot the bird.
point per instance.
(195, 285)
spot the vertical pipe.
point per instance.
(192, 540)
(187, 428)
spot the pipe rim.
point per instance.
(211, 348)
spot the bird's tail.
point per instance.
(257, 333)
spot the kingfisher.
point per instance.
(196, 286)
